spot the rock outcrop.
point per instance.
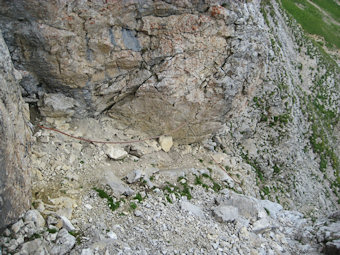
(289, 133)
(153, 64)
(15, 182)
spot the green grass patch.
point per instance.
(133, 206)
(138, 197)
(313, 21)
(52, 230)
(113, 205)
(330, 6)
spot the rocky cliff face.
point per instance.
(289, 133)
(152, 64)
(241, 71)
(15, 181)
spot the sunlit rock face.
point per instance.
(156, 65)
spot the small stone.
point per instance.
(183, 181)
(16, 226)
(215, 245)
(138, 213)
(53, 237)
(195, 210)
(112, 235)
(272, 208)
(88, 206)
(261, 226)
(60, 224)
(149, 183)
(20, 240)
(166, 143)
(52, 220)
(7, 232)
(67, 223)
(204, 171)
(37, 246)
(40, 207)
(29, 228)
(87, 251)
(117, 185)
(134, 176)
(115, 153)
(35, 216)
(225, 213)
(64, 243)
(12, 248)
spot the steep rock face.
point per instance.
(14, 136)
(289, 133)
(153, 64)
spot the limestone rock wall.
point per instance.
(289, 133)
(15, 182)
(152, 64)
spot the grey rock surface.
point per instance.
(151, 64)
(64, 243)
(35, 247)
(116, 184)
(191, 208)
(15, 180)
(35, 216)
(226, 213)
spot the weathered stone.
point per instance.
(191, 208)
(57, 105)
(35, 216)
(67, 224)
(117, 185)
(87, 251)
(261, 226)
(115, 153)
(17, 226)
(138, 213)
(64, 243)
(134, 176)
(273, 208)
(15, 181)
(112, 235)
(225, 213)
(247, 206)
(35, 247)
(166, 143)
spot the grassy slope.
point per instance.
(318, 105)
(313, 21)
(329, 6)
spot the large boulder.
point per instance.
(15, 182)
(154, 64)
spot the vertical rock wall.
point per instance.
(15, 182)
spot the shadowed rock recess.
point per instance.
(226, 115)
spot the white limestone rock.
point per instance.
(64, 243)
(191, 208)
(114, 152)
(166, 143)
(35, 216)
